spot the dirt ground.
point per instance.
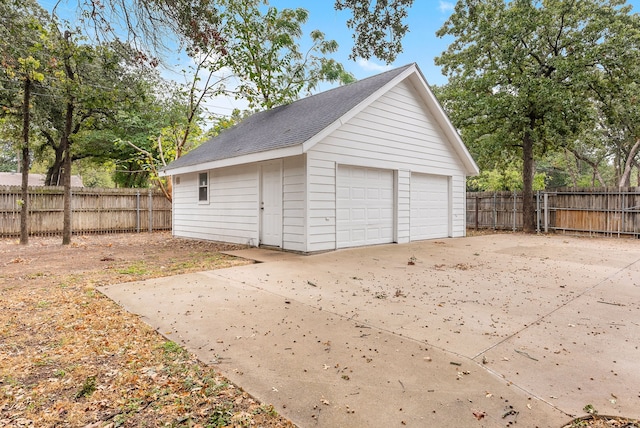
(70, 357)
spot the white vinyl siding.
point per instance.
(396, 132)
(458, 206)
(403, 204)
(232, 212)
(396, 129)
(294, 204)
(321, 205)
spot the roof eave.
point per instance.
(238, 160)
(471, 168)
(357, 109)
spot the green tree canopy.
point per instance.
(264, 52)
(520, 73)
(378, 27)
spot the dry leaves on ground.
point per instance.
(601, 421)
(70, 357)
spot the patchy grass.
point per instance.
(70, 357)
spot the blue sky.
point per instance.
(420, 45)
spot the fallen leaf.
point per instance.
(479, 414)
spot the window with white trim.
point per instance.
(203, 187)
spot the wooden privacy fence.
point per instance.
(494, 210)
(599, 211)
(92, 210)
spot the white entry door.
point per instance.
(271, 203)
(365, 208)
(429, 206)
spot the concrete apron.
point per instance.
(482, 331)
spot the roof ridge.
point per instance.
(290, 124)
(396, 69)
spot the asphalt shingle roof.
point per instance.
(287, 125)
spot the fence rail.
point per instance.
(92, 210)
(599, 211)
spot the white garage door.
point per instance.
(429, 206)
(364, 206)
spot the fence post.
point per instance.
(70, 210)
(514, 209)
(621, 223)
(150, 211)
(546, 212)
(537, 211)
(477, 212)
(138, 211)
(495, 210)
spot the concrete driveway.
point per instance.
(484, 331)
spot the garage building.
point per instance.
(373, 162)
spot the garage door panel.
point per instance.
(373, 214)
(365, 206)
(342, 192)
(373, 194)
(357, 214)
(429, 206)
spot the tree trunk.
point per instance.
(65, 144)
(66, 174)
(593, 165)
(24, 209)
(626, 175)
(54, 171)
(572, 172)
(528, 206)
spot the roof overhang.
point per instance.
(238, 160)
(412, 73)
(445, 124)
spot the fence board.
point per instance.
(93, 210)
(603, 211)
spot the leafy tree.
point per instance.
(21, 34)
(262, 56)
(615, 89)
(8, 158)
(378, 27)
(263, 51)
(500, 180)
(177, 128)
(95, 173)
(151, 27)
(88, 85)
(519, 74)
